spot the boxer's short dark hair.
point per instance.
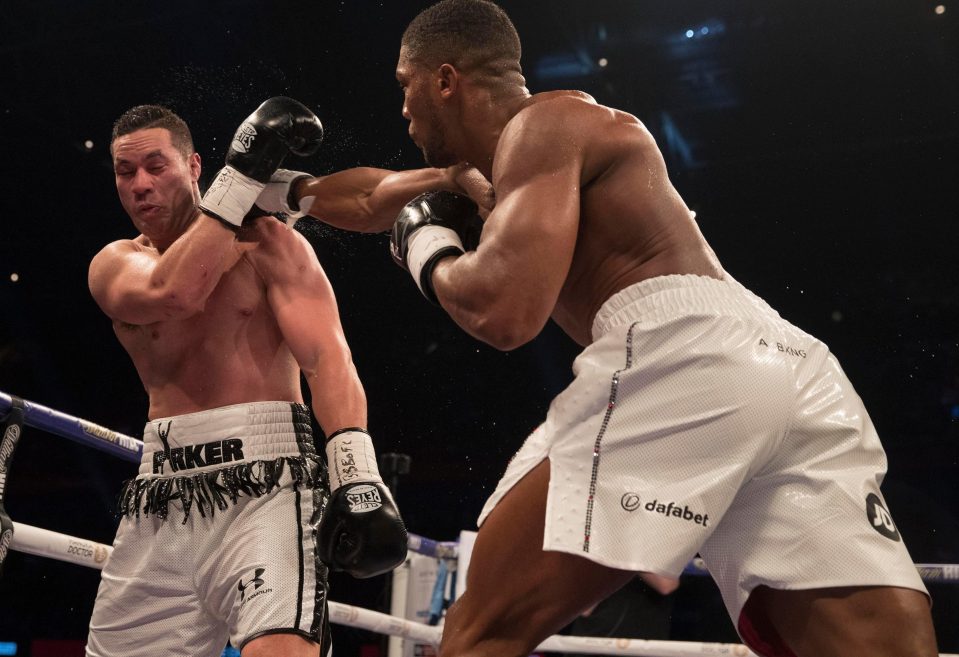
(143, 117)
(465, 33)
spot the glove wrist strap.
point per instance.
(421, 255)
(351, 458)
(230, 196)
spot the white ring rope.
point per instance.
(129, 448)
(375, 621)
(46, 543)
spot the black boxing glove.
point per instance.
(430, 227)
(278, 126)
(361, 531)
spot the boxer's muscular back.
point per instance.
(229, 353)
(633, 223)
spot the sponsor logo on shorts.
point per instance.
(630, 501)
(363, 498)
(243, 138)
(880, 518)
(216, 452)
(673, 510)
(256, 582)
(785, 348)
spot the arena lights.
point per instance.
(88, 144)
(940, 9)
(8, 648)
(710, 29)
(603, 62)
(14, 277)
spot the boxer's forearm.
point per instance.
(188, 271)
(365, 199)
(138, 286)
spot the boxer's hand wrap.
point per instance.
(278, 126)
(361, 531)
(277, 197)
(430, 227)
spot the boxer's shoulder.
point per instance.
(273, 248)
(572, 113)
(269, 237)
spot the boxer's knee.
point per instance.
(475, 629)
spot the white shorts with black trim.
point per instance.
(701, 421)
(217, 540)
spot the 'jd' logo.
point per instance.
(879, 517)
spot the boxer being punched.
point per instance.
(230, 525)
(698, 420)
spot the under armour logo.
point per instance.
(879, 517)
(257, 582)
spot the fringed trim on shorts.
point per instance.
(211, 490)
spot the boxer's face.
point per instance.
(421, 108)
(155, 181)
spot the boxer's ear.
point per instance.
(448, 81)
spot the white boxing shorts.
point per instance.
(701, 421)
(217, 540)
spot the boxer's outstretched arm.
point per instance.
(305, 308)
(135, 284)
(367, 200)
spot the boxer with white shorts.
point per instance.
(218, 535)
(698, 420)
(231, 524)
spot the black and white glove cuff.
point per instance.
(426, 246)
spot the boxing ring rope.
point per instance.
(50, 544)
(128, 448)
(82, 431)
(42, 542)
(45, 543)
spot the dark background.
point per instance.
(817, 142)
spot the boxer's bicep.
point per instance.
(510, 285)
(305, 309)
(120, 279)
(302, 300)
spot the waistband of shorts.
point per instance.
(225, 436)
(662, 296)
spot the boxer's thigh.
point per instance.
(517, 594)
